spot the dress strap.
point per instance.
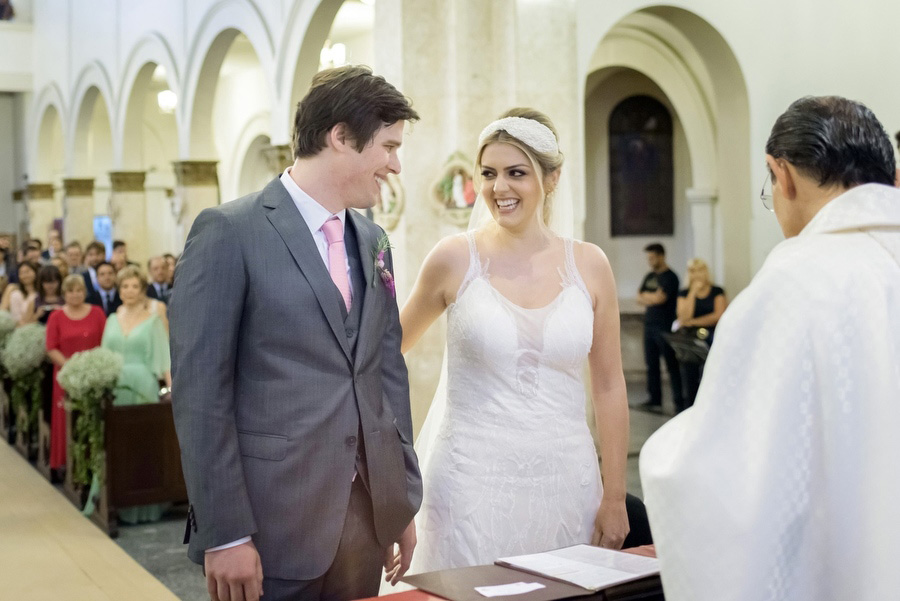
(476, 269)
(572, 277)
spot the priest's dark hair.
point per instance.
(351, 95)
(835, 141)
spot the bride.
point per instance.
(511, 467)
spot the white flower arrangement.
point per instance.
(90, 373)
(7, 325)
(24, 350)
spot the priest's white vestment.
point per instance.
(783, 481)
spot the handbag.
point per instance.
(690, 344)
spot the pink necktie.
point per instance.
(337, 257)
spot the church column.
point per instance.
(278, 158)
(20, 214)
(41, 210)
(703, 223)
(128, 209)
(78, 210)
(197, 188)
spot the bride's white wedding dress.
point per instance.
(513, 468)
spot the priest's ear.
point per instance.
(784, 176)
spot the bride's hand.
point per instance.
(398, 557)
(611, 524)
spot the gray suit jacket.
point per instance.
(269, 399)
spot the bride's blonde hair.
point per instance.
(545, 162)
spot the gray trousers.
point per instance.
(355, 572)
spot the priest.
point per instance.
(781, 483)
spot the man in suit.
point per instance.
(290, 393)
(158, 287)
(105, 295)
(94, 254)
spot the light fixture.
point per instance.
(167, 101)
(332, 55)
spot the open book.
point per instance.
(591, 568)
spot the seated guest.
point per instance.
(93, 256)
(17, 296)
(7, 257)
(700, 305)
(136, 332)
(105, 295)
(49, 296)
(159, 279)
(77, 327)
(781, 482)
(74, 258)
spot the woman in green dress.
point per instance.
(138, 331)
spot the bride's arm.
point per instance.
(439, 279)
(609, 397)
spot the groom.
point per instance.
(290, 393)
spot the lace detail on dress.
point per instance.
(572, 277)
(513, 469)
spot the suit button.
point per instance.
(351, 441)
(350, 332)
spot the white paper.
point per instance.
(504, 590)
(589, 567)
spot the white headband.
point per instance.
(531, 132)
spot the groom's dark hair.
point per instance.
(351, 95)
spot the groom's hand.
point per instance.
(398, 557)
(234, 574)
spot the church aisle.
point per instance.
(48, 551)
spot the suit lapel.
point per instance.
(366, 242)
(290, 225)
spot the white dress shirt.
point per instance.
(315, 216)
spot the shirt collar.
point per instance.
(314, 214)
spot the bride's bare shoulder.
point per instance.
(451, 254)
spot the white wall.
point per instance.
(7, 163)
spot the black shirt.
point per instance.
(706, 305)
(661, 316)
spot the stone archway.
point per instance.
(695, 70)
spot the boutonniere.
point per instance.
(384, 244)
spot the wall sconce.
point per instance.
(167, 101)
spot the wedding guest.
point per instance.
(136, 332)
(77, 327)
(781, 483)
(171, 261)
(700, 305)
(60, 263)
(93, 256)
(7, 257)
(158, 288)
(74, 258)
(31, 251)
(49, 296)
(54, 246)
(7, 13)
(119, 257)
(23, 292)
(658, 294)
(105, 295)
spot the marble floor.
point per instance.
(157, 547)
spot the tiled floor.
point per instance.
(158, 546)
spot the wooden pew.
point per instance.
(142, 463)
(43, 427)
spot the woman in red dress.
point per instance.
(74, 328)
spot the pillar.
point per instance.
(41, 210)
(702, 205)
(128, 211)
(278, 158)
(78, 210)
(196, 188)
(20, 215)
